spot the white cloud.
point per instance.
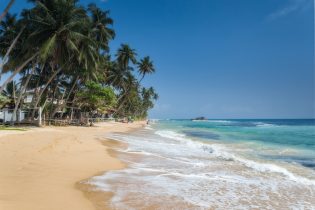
(292, 6)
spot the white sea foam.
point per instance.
(221, 152)
(220, 121)
(200, 190)
(175, 169)
(261, 124)
(171, 134)
(148, 127)
(265, 167)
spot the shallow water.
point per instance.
(217, 164)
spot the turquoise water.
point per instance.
(215, 164)
(290, 140)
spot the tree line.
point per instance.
(59, 51)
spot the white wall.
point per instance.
(6, 115)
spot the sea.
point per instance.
(215, 164)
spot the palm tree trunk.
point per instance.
(52, 101)
(121, 104)
(46, 85)
(6, 10)
(59, 107)
(14, 101)
(17, 70)
(141, 78)
(23, 89)
(37, 88)
(120, 98)
(70, 92)
(125, 93)
(5, 58)
(72, 88)
(14, 93)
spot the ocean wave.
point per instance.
(202, 134)
(180, 160)
(262, 124)
(222, 152)
(223, 177)
(220, 121)
(148, 127)
(264, 167)
(184, 139)
(171, 134)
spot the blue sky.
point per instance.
(222, 58)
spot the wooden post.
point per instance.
(20, 115)
(4, 111)
(40, 116)
(71, 115)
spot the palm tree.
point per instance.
(59, 27)
(10, 32)
(101, 32)
(24, 83)
(6, 10)
(59, 47)
(129, 83)
(125, 55)
(16, 71)
(148, 96)
(8, 50)
(145, 66)
(10, 92)
(16, 51)
(7, 36)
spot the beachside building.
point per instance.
(28, 98)
(6, 115)
(29, 94)
(22, 114)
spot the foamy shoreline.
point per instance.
(168, 169)
(40, 168)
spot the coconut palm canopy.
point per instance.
(61, 51)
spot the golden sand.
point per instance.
(40, 168)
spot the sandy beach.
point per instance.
(41, 167)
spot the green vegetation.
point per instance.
(95, 97)
(3, 100)
(60, 50)
(5, 128)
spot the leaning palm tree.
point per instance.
(23, 87)
(82, 68)
(8, 31)
(59, 26)
(8, 38)
(129, 83)
(145, 66)
(58, 46)
(6, 10)
(14, 57)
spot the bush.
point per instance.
(95, 97)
